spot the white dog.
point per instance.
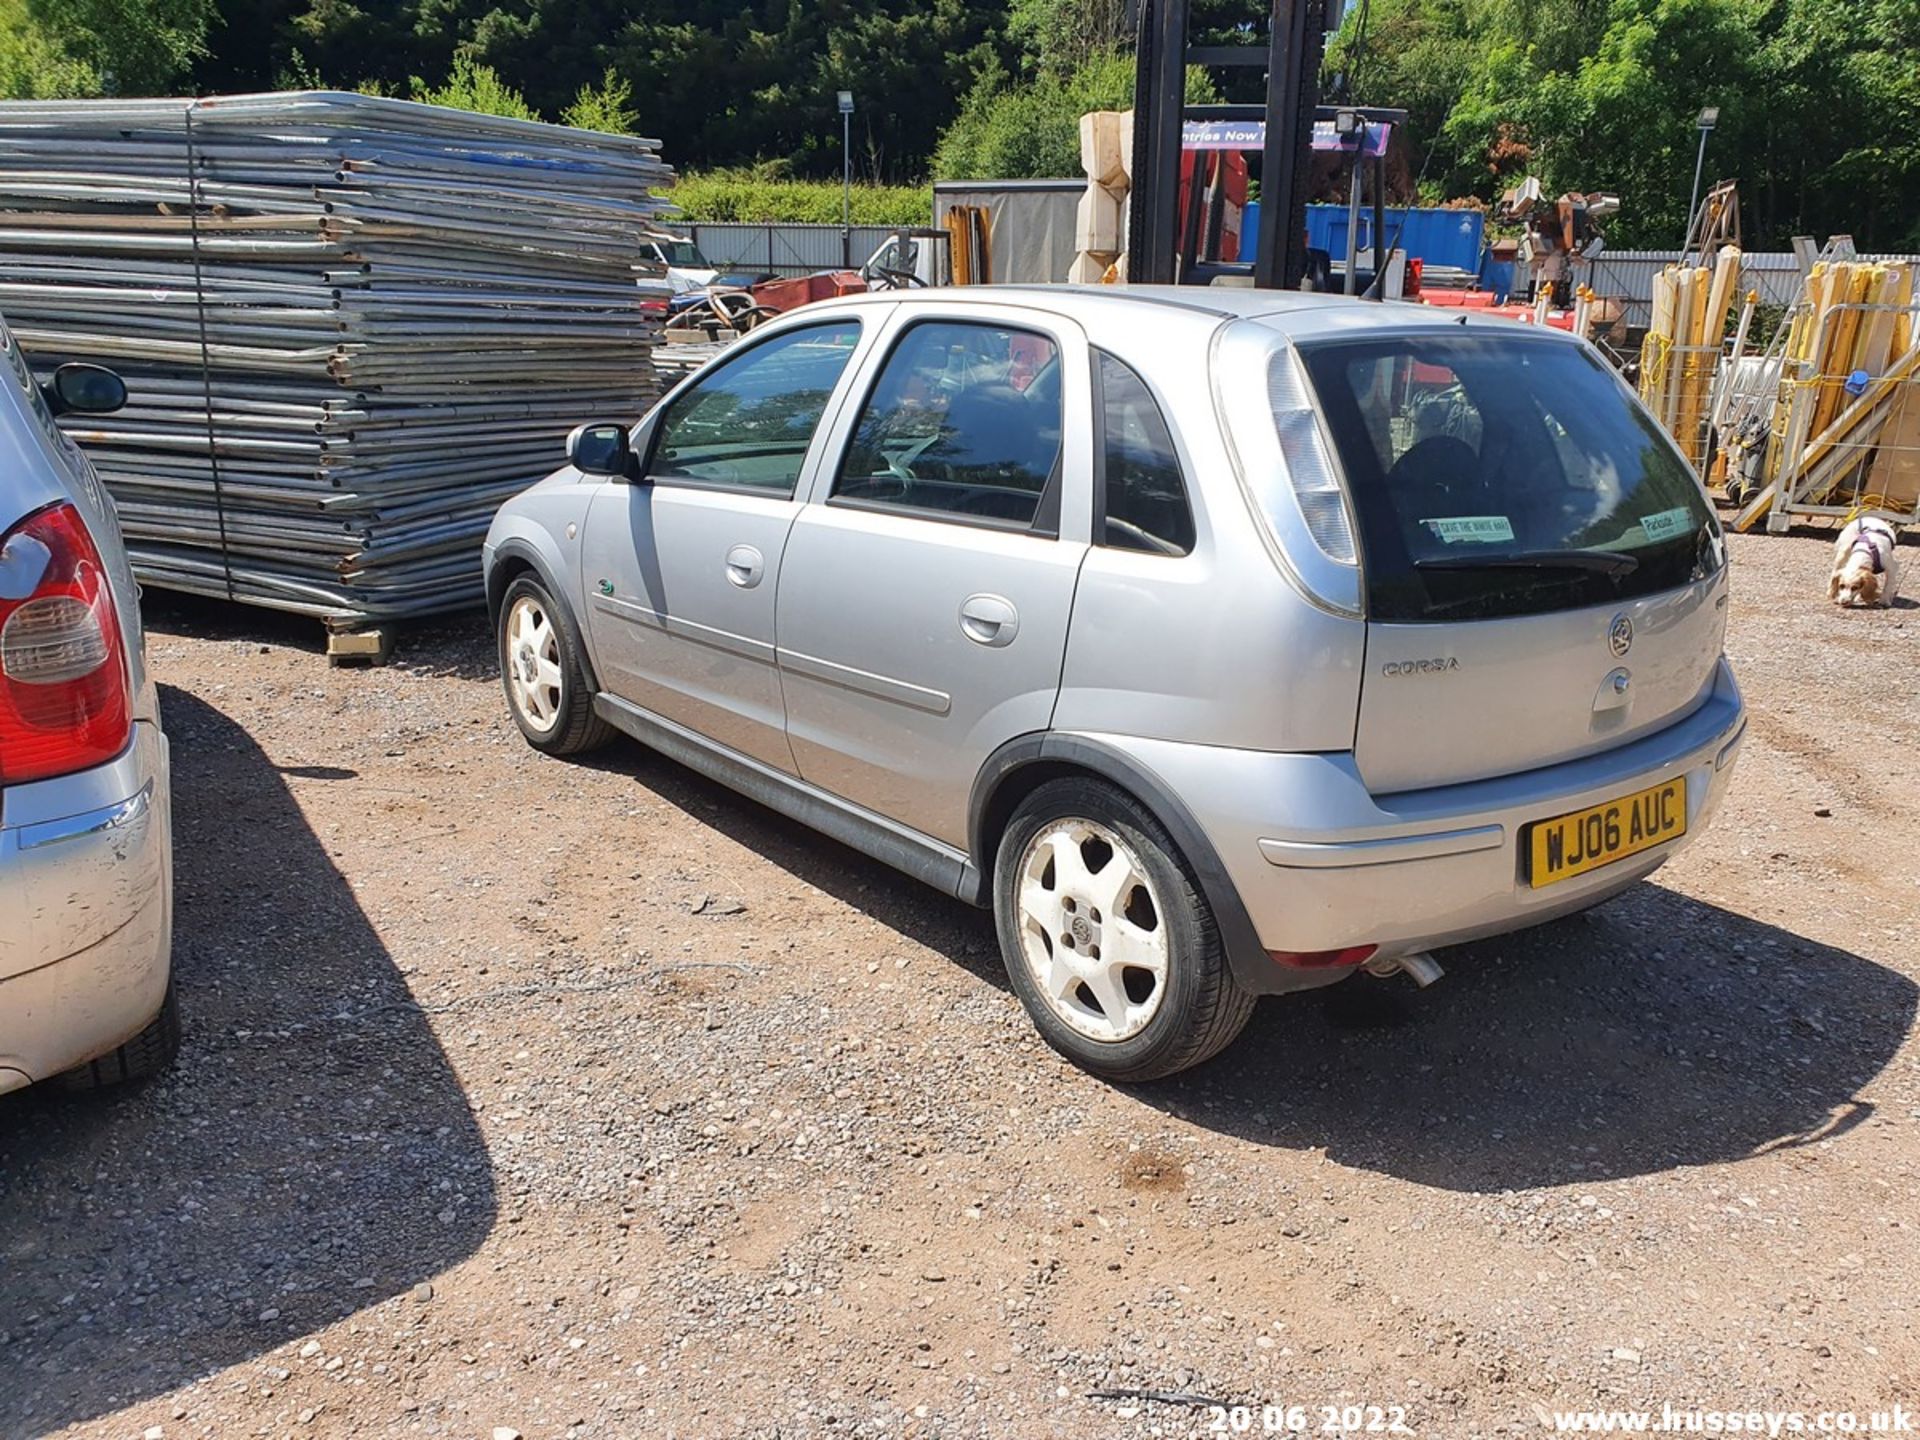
(1866, 570)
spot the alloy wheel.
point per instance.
(533, 663)
(1091, 929)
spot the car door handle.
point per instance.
(745, 566)
(989, 620)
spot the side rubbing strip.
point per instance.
(900, 692)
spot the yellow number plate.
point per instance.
(1569, 845)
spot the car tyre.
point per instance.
(146, 1054)
(543, 670)
(1107, 937)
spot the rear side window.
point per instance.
(964, 423)
(747, 423)
(1143, 494)
(1496, 475)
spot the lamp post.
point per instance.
(846, 176)
(1709, 117)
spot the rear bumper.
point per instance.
(86, 911)
(1321, 864)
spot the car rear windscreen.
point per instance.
(1495, 475)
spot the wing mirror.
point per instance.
(78, 389)
(600, 449)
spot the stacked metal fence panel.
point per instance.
(349, 326)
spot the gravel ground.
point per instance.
(589, 1099)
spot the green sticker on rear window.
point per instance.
(1667, 524)
(1471, 529)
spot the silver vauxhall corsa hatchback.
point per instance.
(1222, 642)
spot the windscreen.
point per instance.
(1495, 475)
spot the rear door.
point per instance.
(924, 600)
(1544, 577)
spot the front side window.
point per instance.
(1502, 475)
(965, 421)
(1144, 493)
(748, 422)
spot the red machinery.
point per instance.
(781, 296)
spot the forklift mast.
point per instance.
(1295, 43)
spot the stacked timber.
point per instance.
(1683, 345)
(350, 326)
(1851, 321)
(1849, 373)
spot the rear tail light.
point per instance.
(64, 687)
(1324, 959)
(1308, 465)
(1269, 418)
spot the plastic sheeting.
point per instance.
(1033, 224)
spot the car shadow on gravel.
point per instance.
(961, 932)
(311, 1154)
(1653, 1033)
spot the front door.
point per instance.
(924, 603)
(681, 570)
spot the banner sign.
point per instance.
(1252, 135)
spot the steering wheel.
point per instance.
(900, 279)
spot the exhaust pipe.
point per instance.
(1422, 968)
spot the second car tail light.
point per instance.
(65, 701)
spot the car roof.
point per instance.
(1297, 314)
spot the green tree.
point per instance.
(1819, 104)
(476, 87)
(132, 47)
(1835, 145)
(1011, 129)
(1062, 36)
(1623, 119)
(34, 65)
(718, 82)
(607, 106)
(1819, 99)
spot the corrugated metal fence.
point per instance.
(786, 249)
(1628, 275)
